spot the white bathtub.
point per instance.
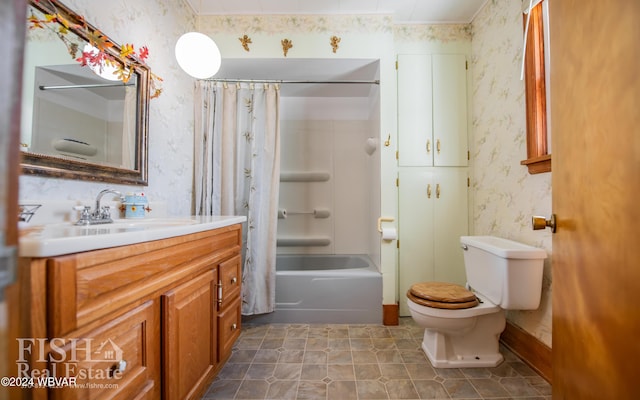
(326, 289)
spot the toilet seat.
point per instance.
(442, 295)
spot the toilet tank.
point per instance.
(508, 273)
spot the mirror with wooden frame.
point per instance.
(81, 121)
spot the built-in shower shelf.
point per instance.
(303, 241)
(311, 176)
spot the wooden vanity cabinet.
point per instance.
(151, 313)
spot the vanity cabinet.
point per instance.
(144, 319)
(432, 110)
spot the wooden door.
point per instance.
(189, 336)
(595, 119)
(12, 32)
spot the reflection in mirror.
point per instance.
(76, 124)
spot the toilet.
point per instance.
(462, 325)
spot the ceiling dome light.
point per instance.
(198, 55)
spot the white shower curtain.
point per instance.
(237, 172)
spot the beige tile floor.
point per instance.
(341, 362)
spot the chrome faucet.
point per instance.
(101, 214)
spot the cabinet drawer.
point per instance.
(87, 286)
(229, 324)
(97, 358)
(229, 281)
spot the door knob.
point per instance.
(538, 223)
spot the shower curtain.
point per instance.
(237, 172)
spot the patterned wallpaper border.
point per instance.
(334, 24)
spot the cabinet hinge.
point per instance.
(397, 155)
(468, 182)
(398, 243)
(397, 182)
(396, 65)
(466, 64)
(468, 155)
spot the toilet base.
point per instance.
(462, 361)
(475, 349)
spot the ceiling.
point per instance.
(403, 11)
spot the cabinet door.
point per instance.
(433, 214)
(415, 124)
(451, 220)
(432, 110)
(449, 110)
(189, 336)
(416, 229)
(119, 360)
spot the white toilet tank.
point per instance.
(508, 273)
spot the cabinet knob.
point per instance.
(234, 280)
(438, 146)
(428, 191)
(234, 327)
(118, 368)
(428, 146)
(437, 191)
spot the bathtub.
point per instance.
(326, 289)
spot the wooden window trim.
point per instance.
(538, 160)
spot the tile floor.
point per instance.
(341, 362)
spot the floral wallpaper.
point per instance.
(440, 33)
(156, 24)
(292, 24)
(505, 195)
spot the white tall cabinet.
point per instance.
(432, 110)
(432, 169)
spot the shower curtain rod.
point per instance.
(282, 81)
(87, 86)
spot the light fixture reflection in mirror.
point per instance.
(198, 55)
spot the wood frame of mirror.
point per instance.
(65, 168)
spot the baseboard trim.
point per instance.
(533, 352)
(390, 314)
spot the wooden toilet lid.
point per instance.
(442, 295)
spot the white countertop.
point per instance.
(65, 238)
